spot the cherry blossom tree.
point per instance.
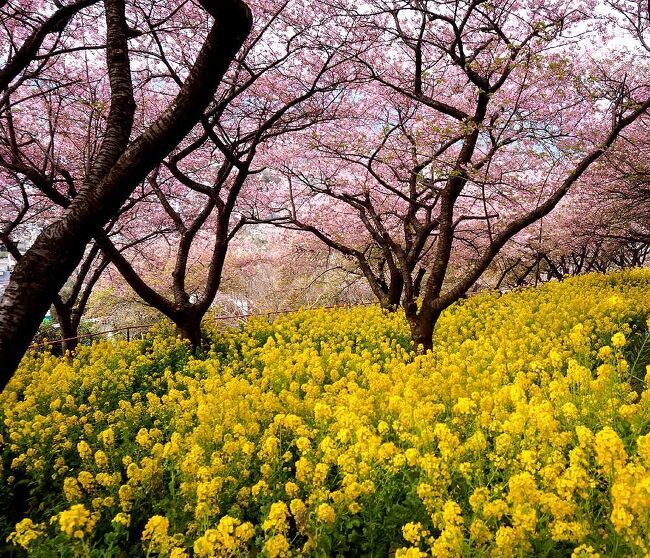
(139, 122)
(600, 225)
(415, 139)
(286, 78)
(475, 120)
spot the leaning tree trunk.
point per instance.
(35, 282)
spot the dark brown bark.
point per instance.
(68, 325)
(43, 270)
(422, 329)
(395, 289)
(71, 307)
(188, 326)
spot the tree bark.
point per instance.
(188, 326)
(392, 293)
(422, 329)
(68, 325)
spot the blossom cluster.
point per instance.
(523, 433)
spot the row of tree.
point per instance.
(418, 140)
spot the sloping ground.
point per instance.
(525, 433)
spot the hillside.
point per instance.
(524, 433)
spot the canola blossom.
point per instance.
(524, 433)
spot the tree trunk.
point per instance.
(422, 334)
(189, 327)
(68, 326)
(35, 282)
(422, 324)
(391, 301)
(395, 291)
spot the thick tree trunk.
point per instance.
(189, 327)
(395, 292)
(391, 300)
(422, 334)
(35, 282)
(422, 325)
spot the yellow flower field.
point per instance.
(524, 433)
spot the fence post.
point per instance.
(128, 334)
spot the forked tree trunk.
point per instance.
(392, 299)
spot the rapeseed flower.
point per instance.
(525, 429)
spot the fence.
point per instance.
(128, 331)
